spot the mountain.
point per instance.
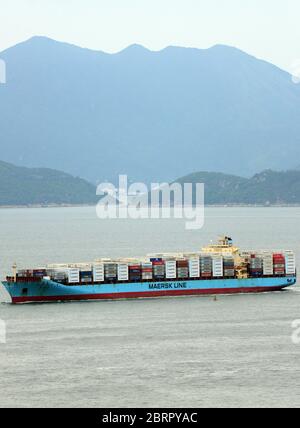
(42, 186)
(25, 186)
(151, 115)
(268, 187)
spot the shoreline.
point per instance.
(6, 207)
(38, 206)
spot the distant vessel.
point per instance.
(216, 269)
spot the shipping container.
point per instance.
(39, 273)
(268, 264)
(171, 272)
(147, 276)
(86, 276)
(229, 273)
(206, 265)
(98, 272)
(279, 264)
(123, 272)
(218, 267)
(135, 272)
(290, 263)
(111, 271)
(194, 267)
(73, 276)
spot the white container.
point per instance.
(73, 276)
(268, 270)
(147, 276)
(147, 265)
(123, 272)
(268, 264)
(218, 268)
(171, 272)
(290, 263)
(194, 267)
(98, 272)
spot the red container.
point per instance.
(182, 263)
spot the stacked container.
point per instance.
(268, 266)
(111, 271)
(73, 276)
(147, 272)
(159, 269)
(39, 273)
(256, 265)
(135, 272)
(25, 273)
(279, 264)
(218, 269)
(98, 272)
(59, 275)
(171, 272)
(290, 263)
(86, 276)
(228, 267)
(29, 273)
(194, 267)
(206, 266)
(123, 272)
(182, 269)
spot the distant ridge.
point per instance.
(21, 186)
(151, 115)
(267, 188)
(40, 186)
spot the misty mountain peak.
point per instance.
(152, 115)
(135, 49)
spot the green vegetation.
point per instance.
(21, 186)
(41, 186)
(267, 188)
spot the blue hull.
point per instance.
(49, 291)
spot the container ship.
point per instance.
(217, 269)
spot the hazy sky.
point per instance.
(268, 29)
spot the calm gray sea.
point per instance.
(237, 351)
